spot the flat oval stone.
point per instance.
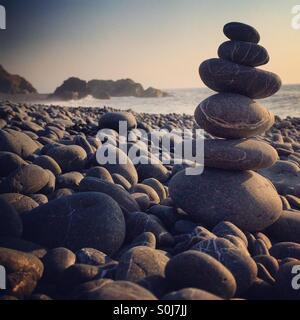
(233, 116)
(90, 219)
(225, 76)
(243, 155)
(244, 198)
(246, 53)
(199, 270)
(284, 250)
(241, 31)
(111, 120)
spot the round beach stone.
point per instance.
(121, 163)
(39, 198)
(282, 250)
(69, 180)
(47, 162)
(11, 223)
(237, 261)
(69, 158)
(142, 199)
(26, 180)
(10, 162)
(92, 257)
(140, 222)
(111, 120)
(245, 154)
(89, 219)
(19, 202)
(153, 170)
(190, 294)
(287, 227)
(121, 196)
(269, 262)
(23, 272)
(56, 261)
(140, 262)
(100, 173)
(120, 180)
(225, 228)
(241, 32)
(199, 270)
(143, 188)
(233, 116)
(17, 142)
(245, 53)
(225, 76)
(121, 290)
(246, 199)
(157, 186)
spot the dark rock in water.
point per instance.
(47, 162)
(14, 84)
(11, 223)
(56, 261)
(140, 222)
(111, 120)
(142, 199)
(190, 294)
(23, 272)
(225, 76)
(286, 280)
(156, 284)
(233, 116)
(246, 199)
(140, 262)
(122, 197)
(82, 220)
(22, 245)
(225, 228)
(101, 173)
(245, 53)
(193, 269)
(269, 262)
(72, 88)
(10, 162)
(122, 165)
(157, 186)
(241, 32)
(27, 180)
(17, 142)
(239, 263)
(69, 180)
(92, 257)
(19, 202)
(69, 158)
(249, 154)
(121, 290)
(287, 227)
(282, 250)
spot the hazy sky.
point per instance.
(156, 42)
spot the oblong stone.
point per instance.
(241, 31)
(233, 116)
(225, 76)
(244, 198)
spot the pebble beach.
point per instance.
(74, 229)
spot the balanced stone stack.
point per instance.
(229, 188)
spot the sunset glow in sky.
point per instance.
(159, 42)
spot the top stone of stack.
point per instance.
(241, 32)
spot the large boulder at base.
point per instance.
(69, 158)
(244, 154)
(246, 199)
(225, 76)
(199, 270)
(241, 32)
(111, 120)
(140, 262)
(17, 142)
(287, 227)
(82, 220)
(23, 272)
(233, 116)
